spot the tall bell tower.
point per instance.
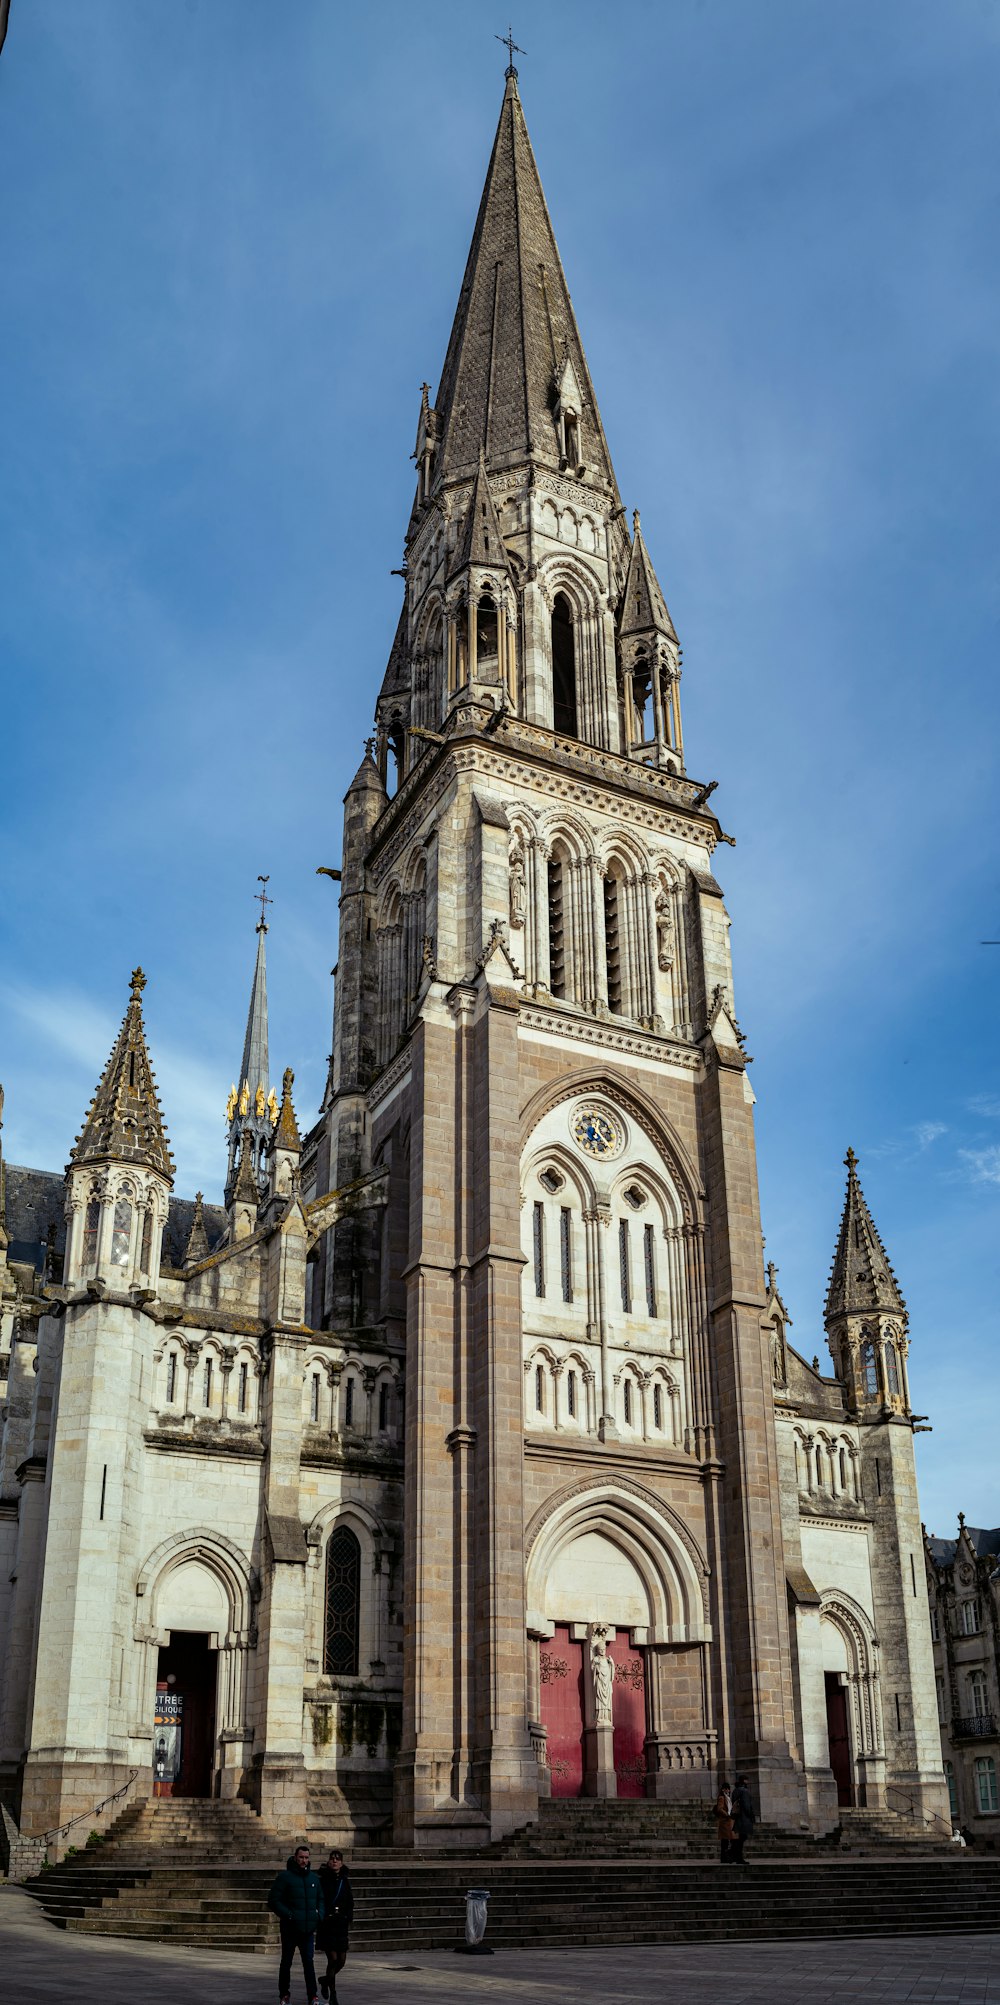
(536, 1042)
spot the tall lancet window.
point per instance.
(343, 1600)
(557, 928)
(612, 940)
(121, 1230)
(487, 640)
(91, 1233)
(564, 715)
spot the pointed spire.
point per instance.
(367, 778)
(254, 1072)
(644, 608)
(514, 329)
(197, 1247)
(861, 1278)
(124, 1122)
(481, 541)
(286, 1133)
(248, 1114)
(245, 1190)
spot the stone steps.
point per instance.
(411, 1906)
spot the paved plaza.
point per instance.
(40, 1963)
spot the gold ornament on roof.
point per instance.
(259, 1103)
(245, 1099)
(231, 1103)
(272, 1106)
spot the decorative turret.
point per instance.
(286, 1144)
(865, 1314)
(480, 602)
(120, 1171)
(197, 1247)
(650, 661)
(252, 1107)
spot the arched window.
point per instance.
(171, 1377)
(343, 1601)
(91, 1232)
(539, 1389)
(557, 931)
(642, 690)
(891, 1369)
(461, 646)
(563, 669)
(121, 1230)
(628, 1402)
(869, 1369)
(487, 639)
(657, 1404)
(397, 746)
(612, 939)
(147, 1239)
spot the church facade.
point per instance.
(461, 1458)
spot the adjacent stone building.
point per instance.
(963, 1586)
(462, 1457)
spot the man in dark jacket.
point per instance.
(334, 1934)
(296, 1897)
(743, 1820)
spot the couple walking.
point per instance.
(734, 1820)
(312, 1908)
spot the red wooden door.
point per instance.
(840, 1739)
(560, 1665)
(628, 1716)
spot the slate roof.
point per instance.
(861, 1277)
(513, 328)
(123, 1122)
(644, 608)
(984, 1543)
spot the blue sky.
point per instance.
(230, 247)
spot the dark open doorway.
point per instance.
(184, 1735)
(840, 1739)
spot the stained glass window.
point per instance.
(869, 1369)
(649, 1263)
(91, 1230)
(566, 1252)
(343, 1597)
(121, 1230)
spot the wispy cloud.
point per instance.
(913, 1141)
(986, 1105)
(982, 1166)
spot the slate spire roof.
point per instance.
(481, 542)
(644, 609)
(861, 1277)
(514, 328)
(254, 1071)
(123, 1122)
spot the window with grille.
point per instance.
(891, 1369)
(566, 1252)
(539, 1389)
(557, 941)
(612, 943)
(986, 1784)
(869, 1369)
(657, 1405)
(243, 1388)
(538, 1247)
(383, 1408)
(91, 1233)
(628, 1402)
(625, 1265)
(121, 1229)
(571, 1394)
(343, 1598)
(147, 1240)
(648, 1260)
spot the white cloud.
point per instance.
(982, 1165)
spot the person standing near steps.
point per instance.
(338, 1903)
(744, 1819)
(296, 1897)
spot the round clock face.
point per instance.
(597, 1132)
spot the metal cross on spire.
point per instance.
(264, 900)
(510, 45)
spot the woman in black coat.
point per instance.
(338, 1914)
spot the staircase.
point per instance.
(198, 1873)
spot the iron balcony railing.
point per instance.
(975, 1726)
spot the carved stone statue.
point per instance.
(518, 886)
(664, 931)
(602, 1670)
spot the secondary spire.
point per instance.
(124, 1122)
(252, 1106)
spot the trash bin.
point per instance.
(475, 1923)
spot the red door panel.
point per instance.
(628, 1716)
(560, 1663)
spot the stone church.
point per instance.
(461, 1458)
